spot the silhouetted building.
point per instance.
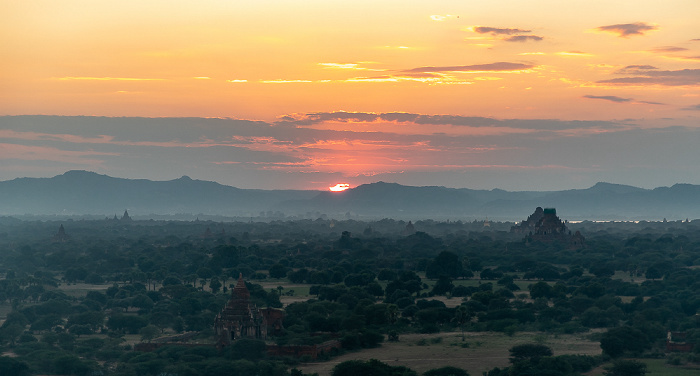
(409, 230)
(61, 235)
(528, 226)
(126, 217)
(544, 226)
(207, 233)
(241, 318)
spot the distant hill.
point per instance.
(83, 192)
(87, 193)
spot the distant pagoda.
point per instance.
(126, 217)
(544, 226)
(61, 236)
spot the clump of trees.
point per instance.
(153, 278)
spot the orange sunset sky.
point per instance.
(513, 94)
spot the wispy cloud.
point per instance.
(47, 153)
(477, 68)
(628, 30)
(668, 49)
(574, 54)
(348, 66)
(498, 30)
(616, 99)
(425, 119)
(440, 18)
(693, 108)
(636, 68)
(642, 77)
(70, 78)
(280, 81)
(610, 98)
(507, 34)
(523, 38)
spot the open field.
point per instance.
(485, 351)
(658, 367)
(78, 290)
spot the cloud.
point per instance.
(451, 120)
(498, 31)
(684, 77)
(574, 54)
(44, 153)
(70, 78)
(667, 49)
(613, 98)
(627, 30)
(523, 38)
(256, 154)
(511, 34)
(610, 98)
(280, 81)
(632, 68)
(693, 108)
(348, 66)
(438, 17)
(491, 67)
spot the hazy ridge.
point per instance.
(88, 193)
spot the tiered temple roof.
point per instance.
(543, 225)
(241, 318)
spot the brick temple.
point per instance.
(241, 318)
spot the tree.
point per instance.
(446, 371)
(617, 341)
(445, 263)
(541, 289)
(10, 366)
(627, 368)
(214, 285)
(149, 332)
(11, 333)
(278, 271)
(372, 367)
(462, 316)
(443, 285)
(529, 351)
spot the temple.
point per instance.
(544, 226)
(240, 318)
(126, 217)
(61, 236)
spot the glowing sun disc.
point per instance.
(339, 187)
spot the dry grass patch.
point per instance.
(478, 353)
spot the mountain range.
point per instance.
(80, 193)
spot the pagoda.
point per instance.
(241, 318)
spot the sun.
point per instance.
(339, 187)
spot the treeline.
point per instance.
(369, 282)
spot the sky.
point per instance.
(508, 94)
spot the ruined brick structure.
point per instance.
(676, 342)
(241, 318)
